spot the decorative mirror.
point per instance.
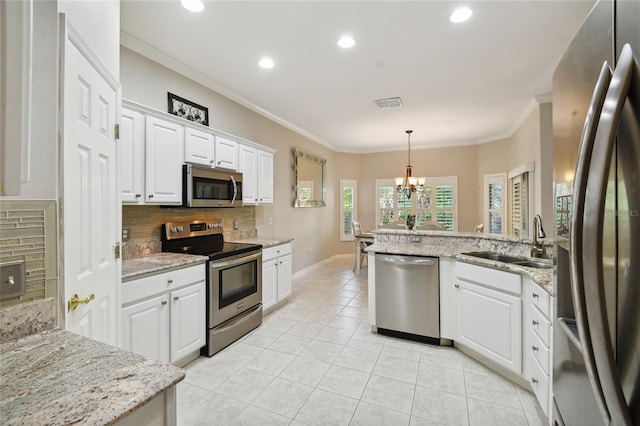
(308, 179)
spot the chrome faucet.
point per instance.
(538, 249)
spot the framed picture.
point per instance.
(187, 109)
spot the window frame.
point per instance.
(346, 231)
(491, 179)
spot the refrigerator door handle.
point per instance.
(576, 237)
(593, 229)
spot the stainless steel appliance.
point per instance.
(408, 297)
(596, 156)
(234, 279)
(206, 187)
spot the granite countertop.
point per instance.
(265, 241)
(57, 377)
(542, 277)
(157, 263)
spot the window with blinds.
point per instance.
(437, 203)
(495, 203)
(520, 203)
(348, 205)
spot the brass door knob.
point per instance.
(74, 301)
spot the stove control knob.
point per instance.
(180, 228)
(219, 225)
(210, 226)
(173, 229)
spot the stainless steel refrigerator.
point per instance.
(596, 133)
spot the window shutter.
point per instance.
(444, 205)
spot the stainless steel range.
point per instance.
(234, 279)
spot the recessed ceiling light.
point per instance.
(461, 14)
(266, 63)
(346, 42)
(193, 5)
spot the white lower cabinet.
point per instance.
(537, 347)
(489, 314)
(276, 275)
(163, 316)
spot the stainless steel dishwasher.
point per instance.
(408, 297)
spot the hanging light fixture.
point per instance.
(409, 184)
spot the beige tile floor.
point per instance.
(314, 361)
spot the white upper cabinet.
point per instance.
(226, 153)
(132, 156)
(256, 167)
(164, 158)
(198, 147)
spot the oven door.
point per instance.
(206, 187)
(234, 285)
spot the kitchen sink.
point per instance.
(496, 256)
(534, 264)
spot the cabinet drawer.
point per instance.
(539, 382)
(499, 280)
(276, 251)
(538, 350)
(167, 281)
(539, 324)
(541, 299)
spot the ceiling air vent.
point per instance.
(389, 103)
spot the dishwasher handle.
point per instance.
(413, 261)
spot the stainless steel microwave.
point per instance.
(206, 187)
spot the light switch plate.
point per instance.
(12, 279)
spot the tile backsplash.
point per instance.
(145, 224)
(28, 232)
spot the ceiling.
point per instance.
(459, 83)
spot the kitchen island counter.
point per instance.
(54, 376)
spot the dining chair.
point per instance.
(360, 245)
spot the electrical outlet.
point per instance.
(126, 233)
(235, 225)
(270, 220)
(415, 239)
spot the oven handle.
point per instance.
(235, 190)
(214, 264)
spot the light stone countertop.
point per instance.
(265, 241)
(158, 263)
(56, 377)
(440, 244)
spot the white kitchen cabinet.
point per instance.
(132, 156)
(164, 146)
(256, 167)
(276, 275)
(163, 316)
(489, 314)
(198, 147)
(226, 153)
(538, 343)
(144, 328)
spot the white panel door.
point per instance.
(265, 177)
(226, 153)
(248, 166)
(132, 156)
(198, 147)
(188, 326)
(90, 193)
(145, 328)
(284, 276)
(490, 322)
(164, 157)
(269, 283)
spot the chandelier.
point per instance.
(409, 184)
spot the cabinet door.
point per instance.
(145, 328)
(269, 283)
(284, 276)
(198, 147)
(226, 153)
(132, 156)
(490, 322)
(265, 177)
(248, 166)
(448, 301)
(164, 157)
(188, 327)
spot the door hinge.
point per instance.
(117, 131)
(117, 250)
